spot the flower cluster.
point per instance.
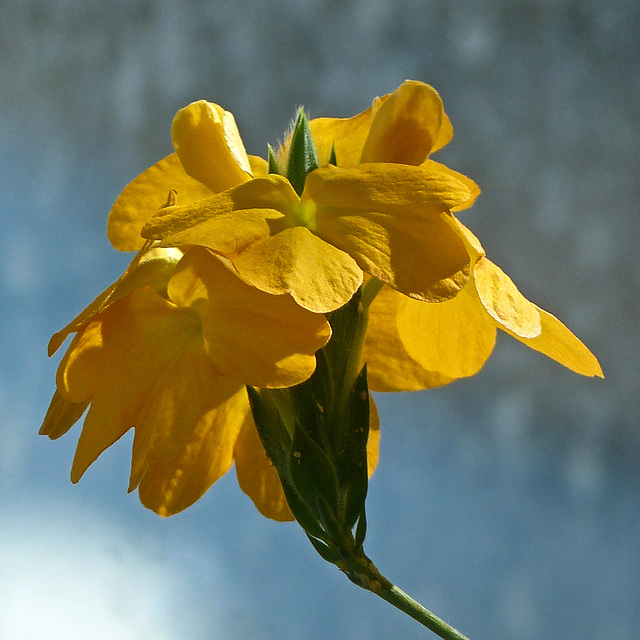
(242, 263)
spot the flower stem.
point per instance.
(400, 600)
(361, 571)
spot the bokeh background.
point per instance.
(507, 503)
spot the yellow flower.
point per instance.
(209, 158)
(382, 210)
(168, 350)
(414, 345)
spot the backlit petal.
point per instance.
(170, 486)
(407, 126)
(208, 143)
(389, 366)
(503, 302)
(150, 268)
(318, 276)
(454, 338)
(142, 198)
(61, 416)
(257, 477)
(557, 342)
(347, 135)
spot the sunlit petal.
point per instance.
(251, 336)
(257, 477)
(389, 366)
(503, 302)
(208, 143)
(407, 126)
(142, 198)
(559, 343)
(318, 276)
(172, 485)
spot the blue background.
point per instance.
(507, 503)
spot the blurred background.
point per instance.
(507, 503)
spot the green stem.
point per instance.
(361, 571)
(400, 600)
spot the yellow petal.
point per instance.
(373, 442)
(192, 388)
(347, 135)
(61, 416)
(227, 222)
(172, 485)
(389, 366)
(119, 360)
(388, 218)
(318, 276)
(454, 338)
(408, 126)
(142, 198)
(557, 342)
(257, 477)
(208, 143)
(503, 302)
(259, 166)
(251, 336)
(150, 268)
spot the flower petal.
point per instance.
(408, 126)
(191, 388)
(503, 302)
(257, 477)
(150, 268)
(251, 336)
(318, 276)
(389, 366)
(227, 222)
(454, 338)
(346, 135)
(560, 344)
(172, 485)
(118, 361)
(61, 416)
(387, 217)
(208, 143)
(142, 198)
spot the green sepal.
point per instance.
(327, 551)
(361, 530)
(273, 161)
(351, 451)
(303, 158)
(332, 156)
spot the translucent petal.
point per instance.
(388, 218)
(61, 416)
(318, 276)
(407, 126)
(147, 193)
(190, 389)
(454, 338)
(347, 135)
(150, 268)
(557, 342)
(389, 366)
(172, 485)
(503, 302)
(251, 336)
(119, 361)
(208, 143)
(257, 477)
